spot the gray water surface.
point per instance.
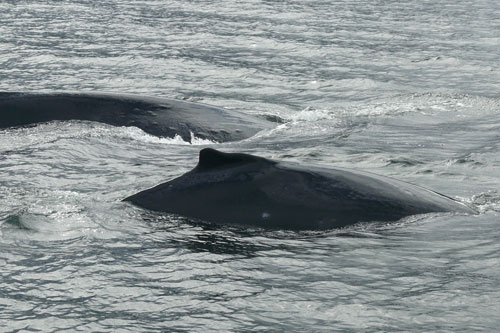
(405, 89)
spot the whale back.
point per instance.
(161, 117)
(248, 190)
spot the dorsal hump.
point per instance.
(214, 159)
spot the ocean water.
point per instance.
(407, 89)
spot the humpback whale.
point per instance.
(242, 189)
(157, 116)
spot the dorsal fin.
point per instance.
(214, 159)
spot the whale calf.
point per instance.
(247, 190)
(157, 116)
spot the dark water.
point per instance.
(405, 89)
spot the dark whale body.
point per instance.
(157, 116)
(243, 189)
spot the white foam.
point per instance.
(56, 130)
(311, 114)
(139, 135)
